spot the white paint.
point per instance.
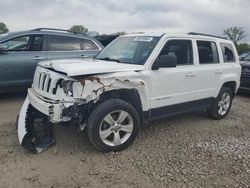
(21, 130)
(156, 88)
(74, 67)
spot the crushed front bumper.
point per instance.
(52, 109)
(47, 110)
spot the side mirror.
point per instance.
(3, 49)
(165, 61)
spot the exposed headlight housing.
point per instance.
(67, 87)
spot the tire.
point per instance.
(113, 125)
(220, 108)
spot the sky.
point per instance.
(109, 16)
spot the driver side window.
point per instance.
(182, 49)
(18, 43)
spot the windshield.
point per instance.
(247, 58)
(130, 49)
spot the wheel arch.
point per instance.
(231, 85)
(131, 96)
(230, 80)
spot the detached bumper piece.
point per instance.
(34, 130)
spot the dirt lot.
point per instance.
(185, 151)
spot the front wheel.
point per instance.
(113, 125)
(222, 104)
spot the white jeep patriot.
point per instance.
(135, 79)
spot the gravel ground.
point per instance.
(189, 150)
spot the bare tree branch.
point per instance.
(235, 34)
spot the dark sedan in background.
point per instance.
(21, 51)
(245, 72)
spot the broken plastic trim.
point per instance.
(34, 130)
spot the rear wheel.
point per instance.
(113, 125)
(222, 104)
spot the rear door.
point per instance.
(17, 66)
(209, 71)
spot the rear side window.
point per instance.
(62, 43)
(208, 53)
(182, 49)
(228, 52)
(88, 45)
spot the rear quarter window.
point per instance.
(88, 45)
(228, 53)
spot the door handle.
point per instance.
(38, 58)
(83, 55)
(218, 72)
(190, 74)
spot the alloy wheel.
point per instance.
(224, 103)
(116, 128)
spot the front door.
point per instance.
(174, 85)
(17, 66)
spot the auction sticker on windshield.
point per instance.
(145, 39)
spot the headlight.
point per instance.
(67, 87)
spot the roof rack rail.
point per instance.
(53, 29)
(207, 35)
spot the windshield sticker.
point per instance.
(145, 39)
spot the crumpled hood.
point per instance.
(76, 67)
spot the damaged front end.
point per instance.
(37, 117)
(34, 130)
(56, 98)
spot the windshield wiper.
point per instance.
(109, 59)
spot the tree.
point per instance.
(3, 28)
(235, 34)
(120, 33)
(243, 47)
(78, 29)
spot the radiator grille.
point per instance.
(45, 82)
